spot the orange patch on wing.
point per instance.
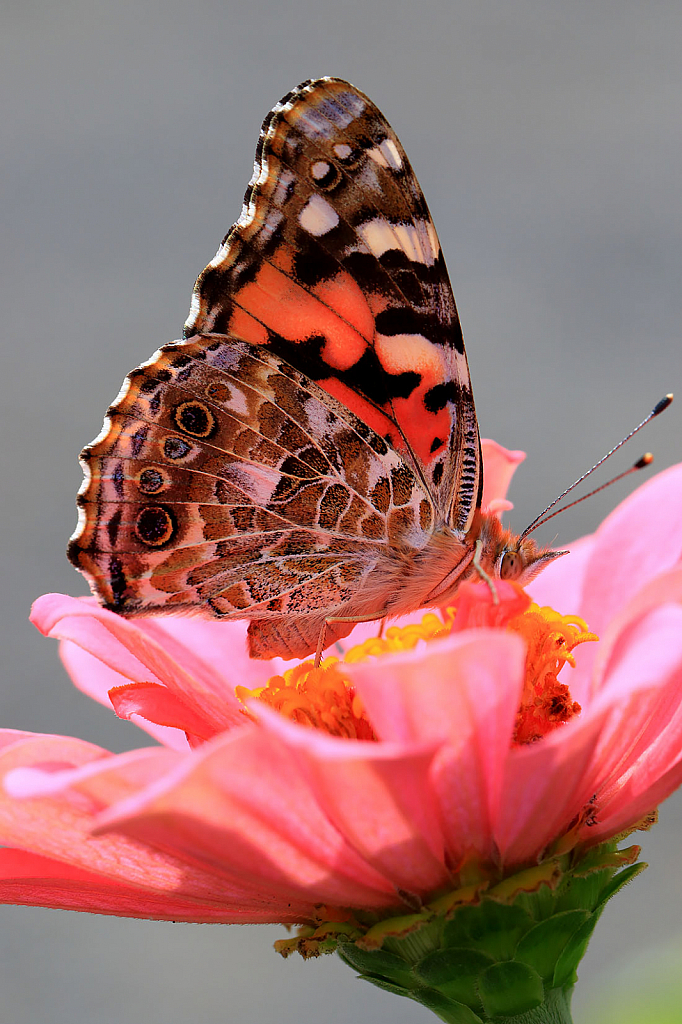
(345, 297)
(288, 309)
(409, 352)
(421, 427)
(364, 410)
(243, 326)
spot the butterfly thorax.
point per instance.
(487, 551)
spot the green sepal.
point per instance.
(509, 988)
(542, 946)
(617, 883)
(505, 954)
(495, 928)
(565, 972)
(455, 972)
(448, 1010)
(379, 962)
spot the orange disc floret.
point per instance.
(325, 699)
(546, 703)
(318, 697)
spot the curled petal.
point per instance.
(141, 655)
(500, 464)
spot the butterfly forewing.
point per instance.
(335, 264)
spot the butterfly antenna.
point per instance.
(646, 460)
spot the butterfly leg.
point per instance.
(482, 573)
(344, 618)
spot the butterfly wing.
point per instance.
(335, 266)
(226, 481)
(291, 459)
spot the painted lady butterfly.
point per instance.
(308, 456)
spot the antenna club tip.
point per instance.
(645, 460)
(662, 405)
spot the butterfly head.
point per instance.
(522, 560)
(510, 556)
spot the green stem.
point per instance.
(556, 1009)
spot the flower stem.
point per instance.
(556, 1009)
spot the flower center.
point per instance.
(550, 638)
(325, 698)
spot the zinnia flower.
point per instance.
(380, 797)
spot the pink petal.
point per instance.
(643, 694)
(158, 704)
(60, 826)
(546, 785)
(140, 654)
(241, 806)
(462, 692)
(639, 540)
(636, 800)
(499, 466)
(96, 679)
(379, 798)
(31, 880)
(663, 589)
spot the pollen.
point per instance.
(318, 697)
(324, 698)
(550, 638)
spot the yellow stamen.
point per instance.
(546, 703)
(325, 699)
(318, 697)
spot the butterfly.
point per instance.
(308, 456)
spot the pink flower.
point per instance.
(410, 775)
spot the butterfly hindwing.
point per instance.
(336, 266)
(225, 478)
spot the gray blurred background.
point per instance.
(546, 136)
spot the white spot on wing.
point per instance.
(386, 154)
(400, 353)
(342, 150)
(413, 239)
(461, 368)
(238, 402)
(317, 217)
(377, 156)
(390, 151)
(433, 237)
(319, 169)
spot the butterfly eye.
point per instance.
(511, 565)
